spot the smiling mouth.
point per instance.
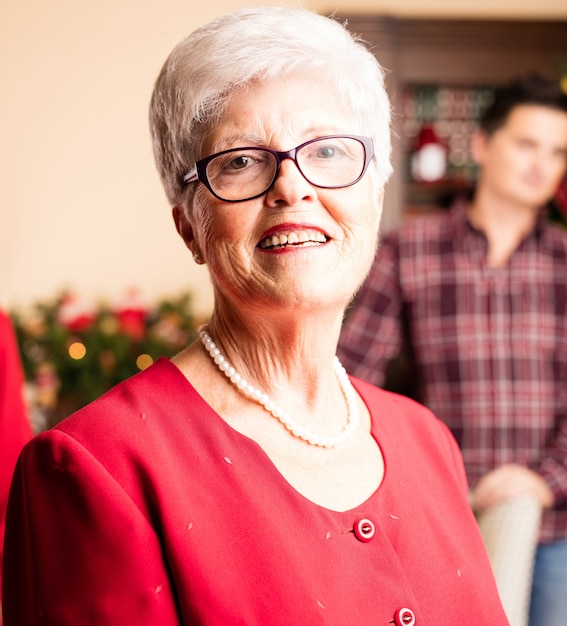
(295, 238)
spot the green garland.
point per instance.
(72, 356)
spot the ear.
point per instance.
(184, 228)
(182, 225)
(479, 145)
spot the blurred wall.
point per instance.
(81, 206)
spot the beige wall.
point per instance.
(81, 206)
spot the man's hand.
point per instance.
(508, 482)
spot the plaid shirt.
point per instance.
(489, 345)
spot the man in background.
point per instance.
(475, 299)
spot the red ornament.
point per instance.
(75, 315)
(131, 315)
(429, 159)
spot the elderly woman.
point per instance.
(249, 480)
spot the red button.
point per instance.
(405, 617)
(364, 530)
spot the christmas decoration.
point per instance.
(73, 350)
(429, 158)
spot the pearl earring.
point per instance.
(198, 258)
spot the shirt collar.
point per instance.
(463, 228)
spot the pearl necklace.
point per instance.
(263, 399)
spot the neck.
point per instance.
(288, 357)
(288, 422)
(276, 340)
(505, 225)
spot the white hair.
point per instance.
(253, 44)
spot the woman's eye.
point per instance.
(327, 152)
(239, 162)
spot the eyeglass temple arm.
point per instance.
(191, 176)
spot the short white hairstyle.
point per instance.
(256, 44)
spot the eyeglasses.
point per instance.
(241, 174)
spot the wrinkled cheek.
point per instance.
(229, 265)
(369, 252)
(204, 229)
(371, 238)
(371, 231)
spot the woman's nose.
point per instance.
(290, 185)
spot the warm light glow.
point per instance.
(143, 361)
(77, 350)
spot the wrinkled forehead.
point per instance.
(279, 113)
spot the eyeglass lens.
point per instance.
(327, 162)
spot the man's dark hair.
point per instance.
(533, 89)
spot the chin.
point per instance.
(535, 200)
(536, 195)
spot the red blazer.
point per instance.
(15, 428)
(147, 508)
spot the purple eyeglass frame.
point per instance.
(199, 172)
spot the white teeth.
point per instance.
(293, 237)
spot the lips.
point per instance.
(301, 237)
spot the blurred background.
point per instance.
(86, 235)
